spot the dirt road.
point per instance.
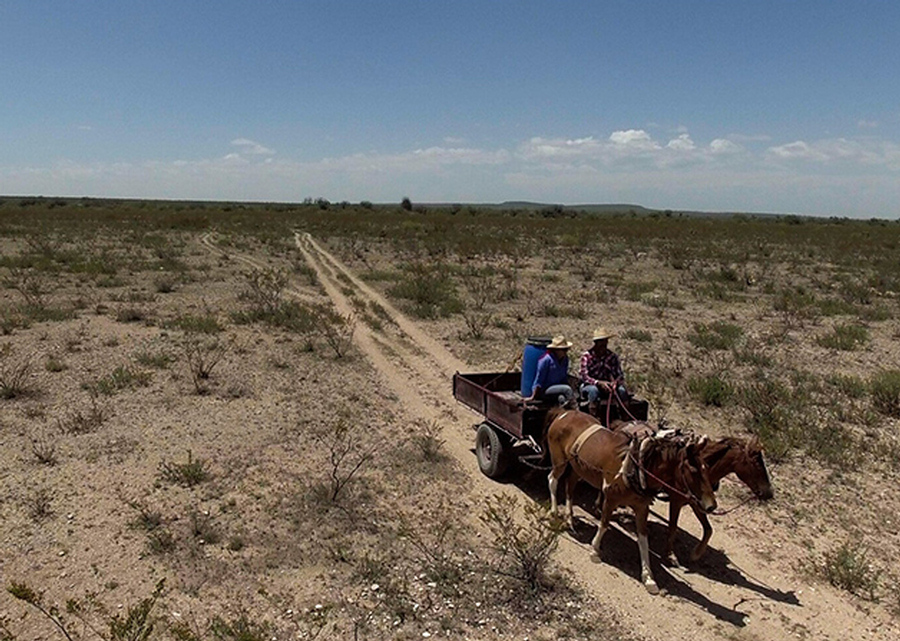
(735, 592)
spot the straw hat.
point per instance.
(559, 342)
(601, 334)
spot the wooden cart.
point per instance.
(512, 431)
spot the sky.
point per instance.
(715, 105)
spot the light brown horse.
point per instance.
(627, 470)
(723, 457)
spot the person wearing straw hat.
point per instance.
(600, 369)
(551, 382)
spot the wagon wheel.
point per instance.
(493, 454)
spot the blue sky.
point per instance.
(709, 105)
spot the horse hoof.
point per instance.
(672, 561)
(652, 588)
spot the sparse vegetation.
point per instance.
(15, 373)
(885, 389)
(713, 389)
(187, 474)
(347, 456)
(844, 337)
(849, 567)
(83, 421)
(119, 379)
(715, 336)
(524, 549)
(201, 355)
(735, 312)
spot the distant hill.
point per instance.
(618, 208)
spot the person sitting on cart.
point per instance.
(551, 382)
(601, 370)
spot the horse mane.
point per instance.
(718, 449)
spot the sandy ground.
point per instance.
(252, 427)
(733, 593)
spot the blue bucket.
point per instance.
(535, 347)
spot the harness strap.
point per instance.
(583, 437)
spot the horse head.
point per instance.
(750, 467)
(695, 475)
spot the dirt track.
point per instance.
(734, 592)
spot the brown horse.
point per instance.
(722, 457)
(629, 471)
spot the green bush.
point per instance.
(712, 389)
(206, 324)
(768, 403)
(835, 307)
(187, 474)
(844, 337)
(848, 567)
(429, 290)
(885, 390)
(120, 378)
(847, 384)
(639, 335)
(524, 549)
(715, 336)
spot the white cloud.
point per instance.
(867, 124)
(721, 146)
(251, 147)
(861, 152)
(682, 143)
(797, 149)
(559, 147)
(628, 165)
(636, 139)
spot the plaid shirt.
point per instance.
(600, 368)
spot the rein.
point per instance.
(615, 392)
(751, 497)
(732, 509)
(689, 497)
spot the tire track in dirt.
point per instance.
(743, 599)
(208, 242)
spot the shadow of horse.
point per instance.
(620, 551)
(716, 566)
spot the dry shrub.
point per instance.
(523, 550)
(347, 455)
(201, 355)
(14, 373)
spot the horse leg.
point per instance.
(609, 506)
(598, 502)
(700, 550)
(674, 510)
(571, 481)
(641, 514)
(553, 483)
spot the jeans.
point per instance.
(561, 393)
(592, 393)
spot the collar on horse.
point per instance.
(583, 437)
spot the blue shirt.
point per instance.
(551, 372)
